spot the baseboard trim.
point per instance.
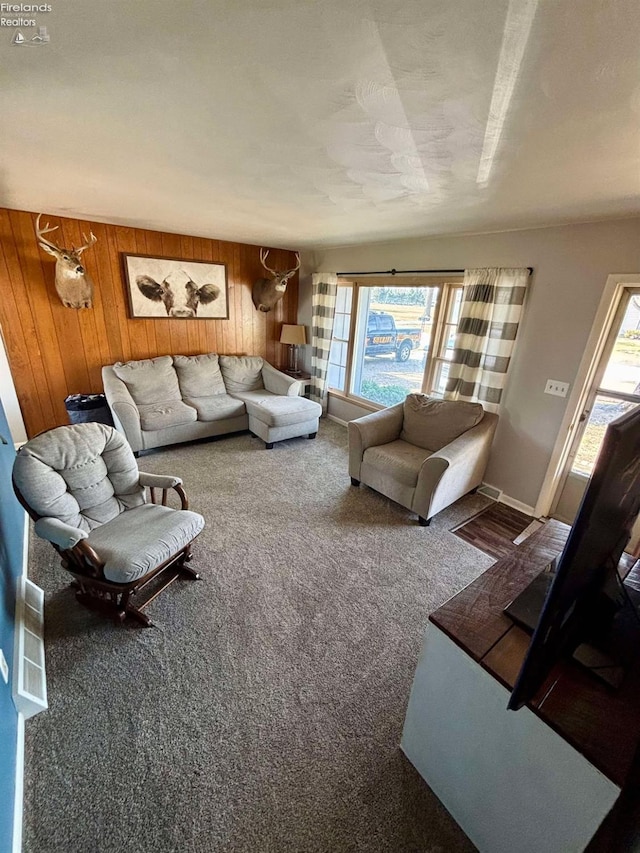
(25, 548)
(514, 504)
(18, 803)
(499, 496)
(337, 420)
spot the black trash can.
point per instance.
(86, 408)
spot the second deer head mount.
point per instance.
(267, 291)
(73, 285)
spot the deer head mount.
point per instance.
(267, 291)
(73, 285)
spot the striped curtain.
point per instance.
(323, 306)
(489, 316)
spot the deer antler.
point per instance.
(88, 242)
(46, 230)
(264, 253)
(263, 257)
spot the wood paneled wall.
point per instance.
(54, 351)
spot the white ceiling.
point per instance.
(301, 123)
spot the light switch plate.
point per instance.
(4, 668)
(557, 388)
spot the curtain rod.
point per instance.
(411, 272)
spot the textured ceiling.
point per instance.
(300, 123)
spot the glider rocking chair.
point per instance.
(81, 486)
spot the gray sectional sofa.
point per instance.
(170, 399)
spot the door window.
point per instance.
(618, 390)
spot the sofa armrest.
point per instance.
(123, 408)
(279, 383)
(63, 535)
(377, 428)
(455, 469)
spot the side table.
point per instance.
(304, 378)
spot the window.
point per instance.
(337, 370)
(399, 341)
(444, 341)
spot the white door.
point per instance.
(9, 399)
(614, 391)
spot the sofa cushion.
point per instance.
(241, 372)
(398, 459)
(199, 375)
(151, 380)
(432, 424)
(162, 415)
(216, 407)
(276, 411)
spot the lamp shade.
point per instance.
(293, 335)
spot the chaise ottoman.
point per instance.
(274, 409)
(274, 418)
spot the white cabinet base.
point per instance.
(509, 780)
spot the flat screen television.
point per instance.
(581, 593)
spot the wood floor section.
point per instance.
(494, 529)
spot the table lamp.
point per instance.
(294, 336)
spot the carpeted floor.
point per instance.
(264, 711)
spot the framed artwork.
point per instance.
(176, 288)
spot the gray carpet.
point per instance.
(264, 710)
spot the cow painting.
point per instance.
(186, 290)
(180, 295)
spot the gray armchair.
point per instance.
(81, 486)
(423, 453)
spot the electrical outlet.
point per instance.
(4, 667)
(557, 388)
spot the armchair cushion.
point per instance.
(242, 372)
(432, 424)
(199, 375)
(150, 380)
(398, 459)
(84, 475)
(138, 541)
(56, 531)
(159, 481)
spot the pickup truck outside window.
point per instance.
(399, 341)
(385, 337)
